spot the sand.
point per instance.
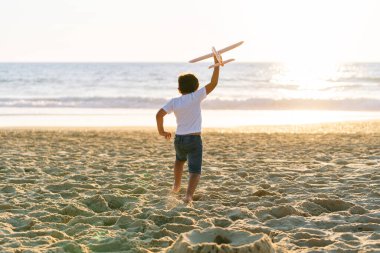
(98, 190)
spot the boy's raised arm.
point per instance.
(214, 79)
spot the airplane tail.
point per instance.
(221, 64)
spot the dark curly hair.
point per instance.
(187, 83)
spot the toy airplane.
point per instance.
(218, 55)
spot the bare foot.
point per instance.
(175, 190)
(187, 200)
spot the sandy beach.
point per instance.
(108, 190)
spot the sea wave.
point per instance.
(375, 80)
(363, 104)
(84, 102)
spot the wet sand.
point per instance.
(99, 190)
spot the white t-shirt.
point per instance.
(187, 110)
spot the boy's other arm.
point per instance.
(214, 79)
(160, 124)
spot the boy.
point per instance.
(188, 141)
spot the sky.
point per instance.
(178, 30)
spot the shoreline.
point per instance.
(79, 117)
(370, 126)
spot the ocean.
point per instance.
(127, 94)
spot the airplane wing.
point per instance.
(201, 58)
(221, 51)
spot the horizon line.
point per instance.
(89, 62)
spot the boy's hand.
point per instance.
(215, 59)
(167, 135)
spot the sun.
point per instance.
(310, 78)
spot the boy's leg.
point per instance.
(193, 182)
(195, 167)
(178, 169)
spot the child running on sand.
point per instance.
(187, 141)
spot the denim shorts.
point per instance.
(189, 147)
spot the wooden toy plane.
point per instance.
(218, 55)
